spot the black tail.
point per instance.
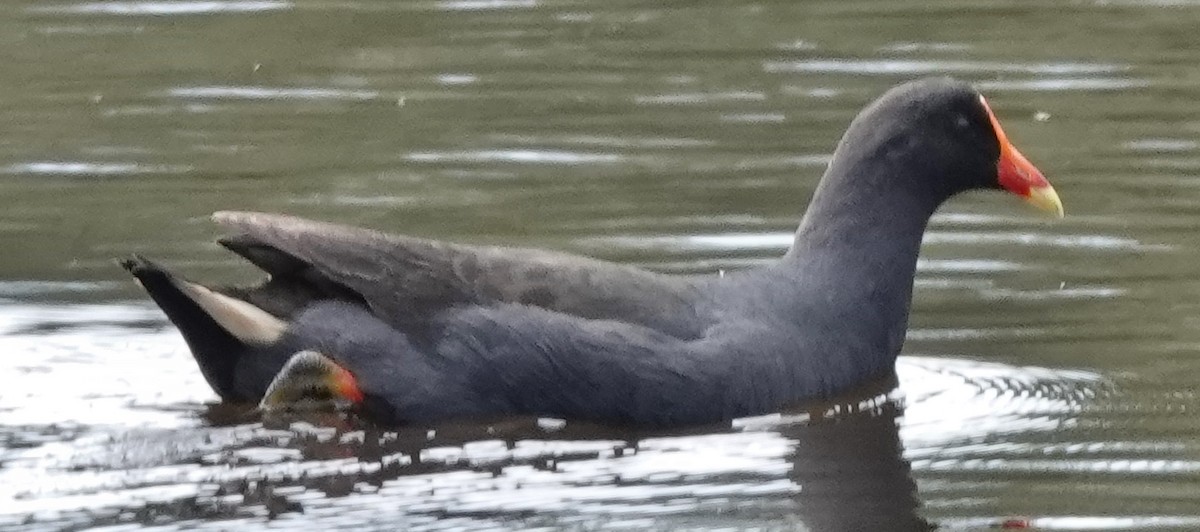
(223, 333)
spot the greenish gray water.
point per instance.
(1049, 370)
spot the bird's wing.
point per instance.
(406, 280)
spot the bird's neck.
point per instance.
(855, 253)
(870, 206)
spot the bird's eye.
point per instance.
(961, 122)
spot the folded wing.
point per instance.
(407, 281)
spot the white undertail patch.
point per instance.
(244, 321)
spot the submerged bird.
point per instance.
(414, 330)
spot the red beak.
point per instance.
(1017, 175)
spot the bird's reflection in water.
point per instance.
(852, 472)
(834, 466)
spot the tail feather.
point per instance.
(220, 330)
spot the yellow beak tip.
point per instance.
(1046, 199)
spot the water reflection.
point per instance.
(271, 93)
(474, 475)
(780, 241)
(925, 67)
(134, 455)
(164, 8)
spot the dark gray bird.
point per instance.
(416, 330)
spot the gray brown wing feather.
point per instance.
(407, 280)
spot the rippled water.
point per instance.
(1048, 376)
